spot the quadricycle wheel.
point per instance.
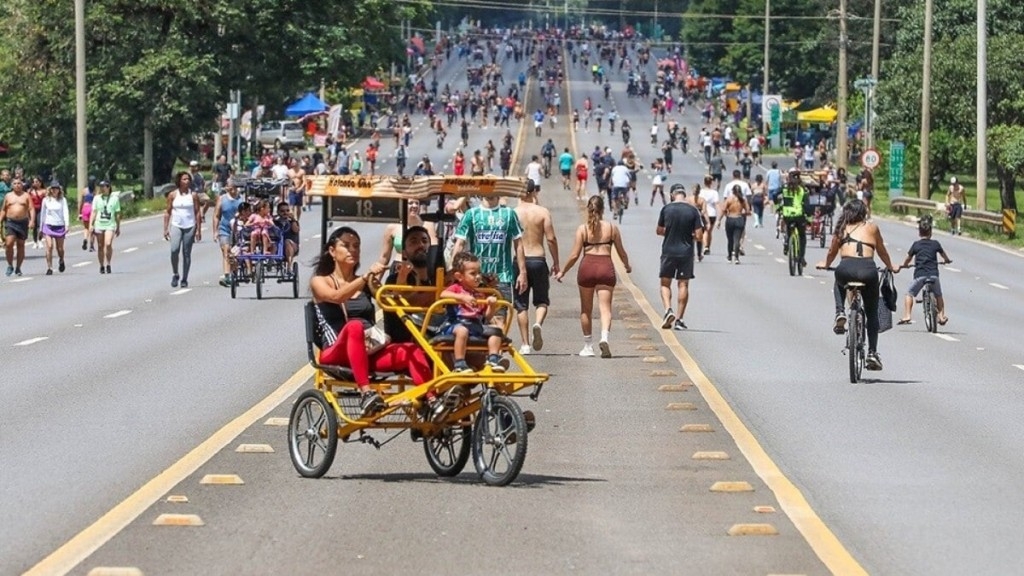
(448, 450)
(499, 441)
(312, 434)
(259, 280)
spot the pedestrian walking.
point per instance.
(681, 225)
(106, 224)
(181, 227)
(594, 242)
(538, 231)
(55, 219)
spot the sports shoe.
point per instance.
(108, 269)
(184, 283)
(840, 325)
(225, 281)
(873, 361)
(538, 337)
(371, 403)
(606, 351)
(525, 350)
(49, 272)
(588, 351)
(679, 325)
(494, 363)
(668, 319)
(85, 244)
(174, 280)
(461, 368)
(17, 271)
(61, 267)
(10, 270)
(103, 269)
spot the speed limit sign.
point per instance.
(870, 159)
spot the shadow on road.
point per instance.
(467, 478)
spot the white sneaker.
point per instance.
(525, 349)
(538, 337)
(588, 351)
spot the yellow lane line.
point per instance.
(83, 544)
(818, 535)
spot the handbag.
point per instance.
(374, 336)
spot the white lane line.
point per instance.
(182, 291)
(78, 325)
(1021, 366)
(315, 236)
(25, 279)
(31, 341)
(780, 260)
(118, 314)
(951, 269)
(758, 246)
(947, 337)
(1000, 286)
(80, 264)
(129, 250)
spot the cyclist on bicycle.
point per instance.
(925, 254)
(619, 187)
(856, 240)
(547, 151)
(794, 213)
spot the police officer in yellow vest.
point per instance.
(794, 212)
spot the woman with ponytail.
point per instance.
(594, 241)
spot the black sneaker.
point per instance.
(17, 271)
(61, 267)
(184, 283)
(840, 324)
(679, 325)
(371, 403)
(103, 269)
(873, 361)
(85, 244)
(49, 272)
(108, 269)
(174, 279)
(668, 319)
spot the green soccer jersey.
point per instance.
(489, 234)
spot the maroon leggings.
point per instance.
(350, 350)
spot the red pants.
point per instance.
(350, 350)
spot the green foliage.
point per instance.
(171, 63)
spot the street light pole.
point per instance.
(982, 111)
(841, 146)
(926, 99)
(767, 21)
(81, 138)
(876, 41)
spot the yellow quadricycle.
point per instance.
(479, 416)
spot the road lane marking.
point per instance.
(80, 264)
(180, 292)
(818, 535)
(118, 314)
(759, 247)
(1000, 286)
(129, 250)
(780, 260)
(951, 269)
(25, 279)
(1021, 366)
(947, 337)
(32, 341)
(83, 544)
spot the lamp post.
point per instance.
(982, 111)
(926, 99)
(841, 146)
(81, 137)
(767, 20)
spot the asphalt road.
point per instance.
(913, 470)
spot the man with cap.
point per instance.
(223, 213)
(538, 230)
(955, 205)
(681, 225)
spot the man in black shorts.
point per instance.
(681, 225)
(538, 230)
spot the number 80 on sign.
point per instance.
(870, 159)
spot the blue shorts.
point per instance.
(475, 327)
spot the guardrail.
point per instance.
(905, 205)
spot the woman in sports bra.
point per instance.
(594, 241)
(855, 241)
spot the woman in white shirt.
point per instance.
(180, 227)
(55, 219)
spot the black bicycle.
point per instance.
(929, 304)
(856, 329)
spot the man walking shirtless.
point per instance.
(17, 217)
(537, 229)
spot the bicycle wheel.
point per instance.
(448, 451)
(499, 442)
(793, 246)
(259, 280)
(855, 340)
(929, 311)
(312, 434)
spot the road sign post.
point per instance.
(771, 110)
(897, 152)
(870, 159)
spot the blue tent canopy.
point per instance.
(308, 104)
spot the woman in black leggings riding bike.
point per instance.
(856, 240)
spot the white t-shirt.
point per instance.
(727, 190)
(280, 172)
(620, 176)
(533, 172)
(710, 198)
(755, 144)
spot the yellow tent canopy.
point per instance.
(818, 116)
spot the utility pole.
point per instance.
(767, 22)
(926, 99)
(81, 138)
(655, 31)
(982, 111)
(841, 147)
(876, 41)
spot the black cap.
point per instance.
(104, 183)
(54, 183)
(677, 189)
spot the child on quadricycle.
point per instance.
(261, 222)
(925, 254)
(467, 319)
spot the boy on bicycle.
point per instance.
(925, 254)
